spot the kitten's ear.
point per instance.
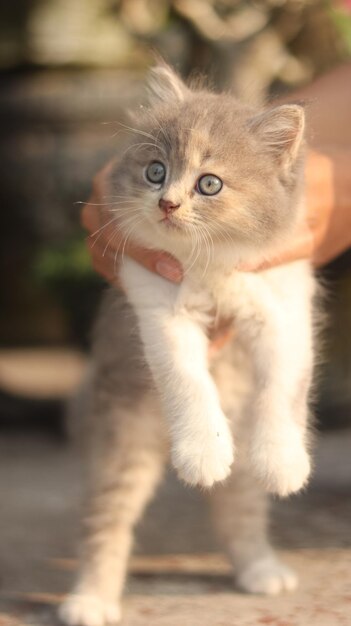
(164, 85)
(282, 130)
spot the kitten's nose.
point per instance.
(167, 206)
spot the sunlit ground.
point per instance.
(178, 574)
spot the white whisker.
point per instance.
(100, 230)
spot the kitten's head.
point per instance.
(202, 167)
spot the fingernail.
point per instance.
(169, 270)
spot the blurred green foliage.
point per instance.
(68, 259)
(342, 21)
(65, 271)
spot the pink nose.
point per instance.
(167, 206)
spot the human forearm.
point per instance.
(328, 191)
(328, 107)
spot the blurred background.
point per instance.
(68, 71)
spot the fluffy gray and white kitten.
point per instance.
(216, 184)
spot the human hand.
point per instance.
(326, 230)
(106, 244)
(324, 234)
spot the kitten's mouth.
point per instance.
(170, 223)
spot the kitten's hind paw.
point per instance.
(88, 610)
(267, 576)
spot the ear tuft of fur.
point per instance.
(282, 130)
(164, 85)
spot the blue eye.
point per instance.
(155, 172)
(209, 185)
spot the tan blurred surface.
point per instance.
(40, 373)
(178, 575)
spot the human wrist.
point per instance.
(328, 195)
(328, 169)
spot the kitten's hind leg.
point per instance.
(126, 464)
(240, 517)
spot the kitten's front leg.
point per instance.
(276, 323)
(175, 348)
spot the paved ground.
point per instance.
(178, 576)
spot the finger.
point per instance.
(154, 260)
(157, 261)
(105, 268)
(89, 217)
(108, 257)
(302, 248)
(92, 214)
(107, 241)
(101, 179)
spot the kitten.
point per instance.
(216, 184)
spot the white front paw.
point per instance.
(281, 462)
(204, 461)
(88, 610)
(267, 576)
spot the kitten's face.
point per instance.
(206, 168)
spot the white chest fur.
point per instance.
(272, 312)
